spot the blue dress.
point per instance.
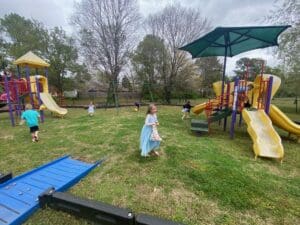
(91, 109)
(146, 144)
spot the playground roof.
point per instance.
(32, 60)
(235, 40)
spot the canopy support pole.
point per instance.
(223, 83)
(223, 76)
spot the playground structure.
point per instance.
(44, 187)
(231, 98)
(29, 89)
(259, 118)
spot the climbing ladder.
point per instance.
(215, 110)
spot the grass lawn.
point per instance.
(197, 180)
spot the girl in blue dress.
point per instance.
(149, 141)
(91, 109)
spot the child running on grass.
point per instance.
(91, 109)
(186, 110)
(137, 106)
(32, 119)
(150, 139)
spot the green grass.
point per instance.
(101, 101)
(209, 179)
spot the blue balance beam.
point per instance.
(19, 196)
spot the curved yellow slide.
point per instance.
(282, 121)
(51, 104)
(199, 108)
(266, 141)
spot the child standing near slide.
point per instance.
(150, 139)
(32, 120)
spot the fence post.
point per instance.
(296, 102)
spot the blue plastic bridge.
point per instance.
(19, 196)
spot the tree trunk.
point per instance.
(114, 83)
(168, 96)
(168, 93)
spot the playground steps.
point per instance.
(221, 114)
(19, 196)
(199, 126)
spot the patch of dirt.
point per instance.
(178, 200)
(86, 159)
(195, 205)
(7, 137)
(248, 217)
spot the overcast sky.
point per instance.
(220, 12)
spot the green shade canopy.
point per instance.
(231, 41)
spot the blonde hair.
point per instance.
(28, 106)
(150, 107)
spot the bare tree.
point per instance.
(106, 29)
(287, 12)
(177, 26)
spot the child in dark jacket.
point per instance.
(186, 110)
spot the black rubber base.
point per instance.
(98, 212)
(5, 177)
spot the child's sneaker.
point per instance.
(156, 153)
(36, 138)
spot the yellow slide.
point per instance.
(199, 108)
(282, 121)
(266, 141)
(51, 104)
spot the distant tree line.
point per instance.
(113, 56)
(20, 35)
